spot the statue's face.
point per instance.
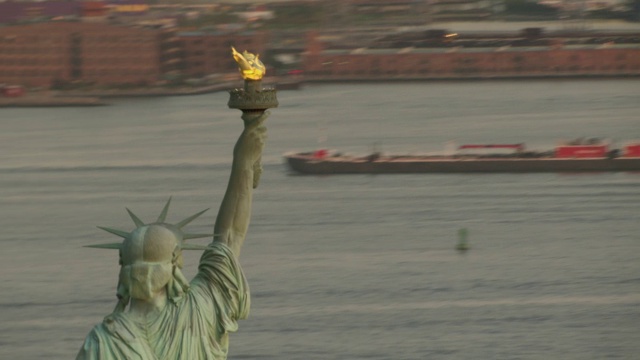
(148, 257)
(145, 280)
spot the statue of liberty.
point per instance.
(161, 315)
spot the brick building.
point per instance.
(471, 62)
(16, 11)
(57, 52)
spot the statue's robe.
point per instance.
(196, 326)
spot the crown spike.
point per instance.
(165, 210)
(115, 246)
(121, 233)
(161, 221)
(184, 222)
(136, 220)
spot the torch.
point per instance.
(252, 98)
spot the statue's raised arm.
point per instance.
(234, 215)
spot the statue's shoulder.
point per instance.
(115, 325)
(115, 338)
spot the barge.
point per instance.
(571, 158)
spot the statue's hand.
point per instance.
(254, 119)
(248, 150)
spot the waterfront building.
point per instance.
(14, 11)
(56, 53)
(487, 58)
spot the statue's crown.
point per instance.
(162, 235)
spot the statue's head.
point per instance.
(151, 257)
(148, 259)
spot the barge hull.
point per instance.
(307, 165)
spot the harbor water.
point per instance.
(340, 267)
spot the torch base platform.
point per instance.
(252, 97)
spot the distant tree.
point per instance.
(298, 15)
(606, 14)
(208, 20)
(633, 9)
(527, 7)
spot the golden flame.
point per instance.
(250, 65)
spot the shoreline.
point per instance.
(463, 78)
(70, 98)
(287, 84)
(146, 92)
(31, 101)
